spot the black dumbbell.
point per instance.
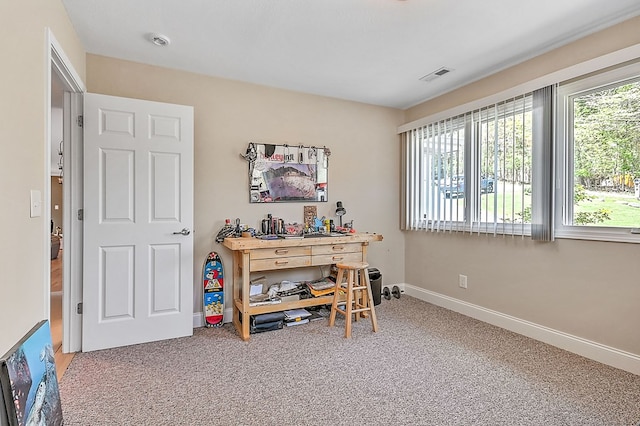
(386, 293)
(396, 291)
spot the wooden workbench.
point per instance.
(253, 255)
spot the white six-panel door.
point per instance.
(138, 199)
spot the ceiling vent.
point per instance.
(437, 73)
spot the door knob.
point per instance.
(185, 232)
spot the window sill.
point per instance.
(616, 235)
(506, 229)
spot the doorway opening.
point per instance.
(56, 159)
(63, 172)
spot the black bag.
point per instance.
(266, 322)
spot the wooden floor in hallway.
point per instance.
(62, 360)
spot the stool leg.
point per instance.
(336, 294)
(349, 304)
(357, 295)
(364, 300)
(374, 319)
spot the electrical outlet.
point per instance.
(462, 281)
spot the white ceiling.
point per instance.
(372, 51)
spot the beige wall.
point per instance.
(363, 168)
(585, 288)
(24, 247)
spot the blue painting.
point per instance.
(29, 380)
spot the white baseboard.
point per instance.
(605, 354)
(198, 318)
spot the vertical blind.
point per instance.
(474, 172)
(542, 228)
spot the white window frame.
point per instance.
(564, 157)
(438, 215)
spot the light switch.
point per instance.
(36, 203)
(56, 207)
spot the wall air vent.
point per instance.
(437, 73)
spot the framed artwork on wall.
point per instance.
(29, 382)
(284, 173)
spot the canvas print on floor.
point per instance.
(29, 380)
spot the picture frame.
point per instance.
(310, 214)
(283, 173)
(29, 380)
(4, 421)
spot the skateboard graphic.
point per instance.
(213, 278)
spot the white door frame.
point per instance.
(72, 194)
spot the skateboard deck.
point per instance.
(213, 278)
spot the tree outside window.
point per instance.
(606, 160)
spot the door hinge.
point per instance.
(80, 214)
(80, 120)
(79, 308)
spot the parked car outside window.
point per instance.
(454, 187)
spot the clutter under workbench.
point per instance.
(256, 255)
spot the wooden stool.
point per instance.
(359, 299)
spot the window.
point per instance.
(560, 161)
(599, 149)
(472, 172)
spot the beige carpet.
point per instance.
(426, 366)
